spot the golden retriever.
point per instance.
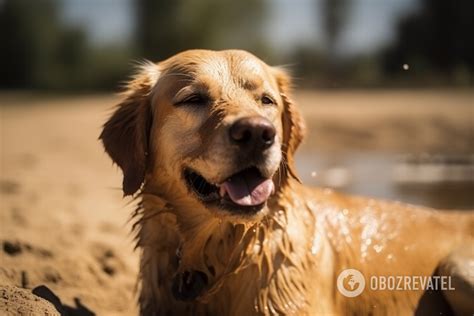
(207, 139)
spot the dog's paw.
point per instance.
(188, 285)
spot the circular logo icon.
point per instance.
(350, 282)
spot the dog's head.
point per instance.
(206, 128)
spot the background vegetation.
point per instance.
(41, 51)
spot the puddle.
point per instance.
(437, 182)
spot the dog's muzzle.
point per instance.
(247, 190)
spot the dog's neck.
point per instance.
(204, 246)
(202, 241)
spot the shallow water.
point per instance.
(441, 185)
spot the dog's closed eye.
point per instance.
(194, 99)
(191, 96)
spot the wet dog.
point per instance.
(206, 142)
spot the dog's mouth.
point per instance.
(246, 191)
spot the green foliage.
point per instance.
(40, 52)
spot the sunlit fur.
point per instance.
(286, 258)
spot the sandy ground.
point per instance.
(389, 121)
(63, 222)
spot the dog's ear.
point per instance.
(125, 135)
(294, 128)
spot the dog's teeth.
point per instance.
(222, 191)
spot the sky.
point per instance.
(370, 24)
(106, 21)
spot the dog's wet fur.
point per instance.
(206, 141)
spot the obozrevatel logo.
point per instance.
(350, 282)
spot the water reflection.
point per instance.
(445, 182)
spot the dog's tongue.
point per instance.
(248, 188)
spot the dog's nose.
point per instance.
(253, 131)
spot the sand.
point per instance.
(66, 243)
(63, 219)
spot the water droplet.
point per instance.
(345, 231)
(327, 191)
(256, 248)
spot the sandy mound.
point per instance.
(63, 219)
(16, 301)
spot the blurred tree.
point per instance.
(167, 27)
(334, 16)
(321, 66)
(155, 31)
(309, 61)
(37, 51)
(40, 51)
(437, 38)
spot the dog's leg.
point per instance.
(459, 267)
